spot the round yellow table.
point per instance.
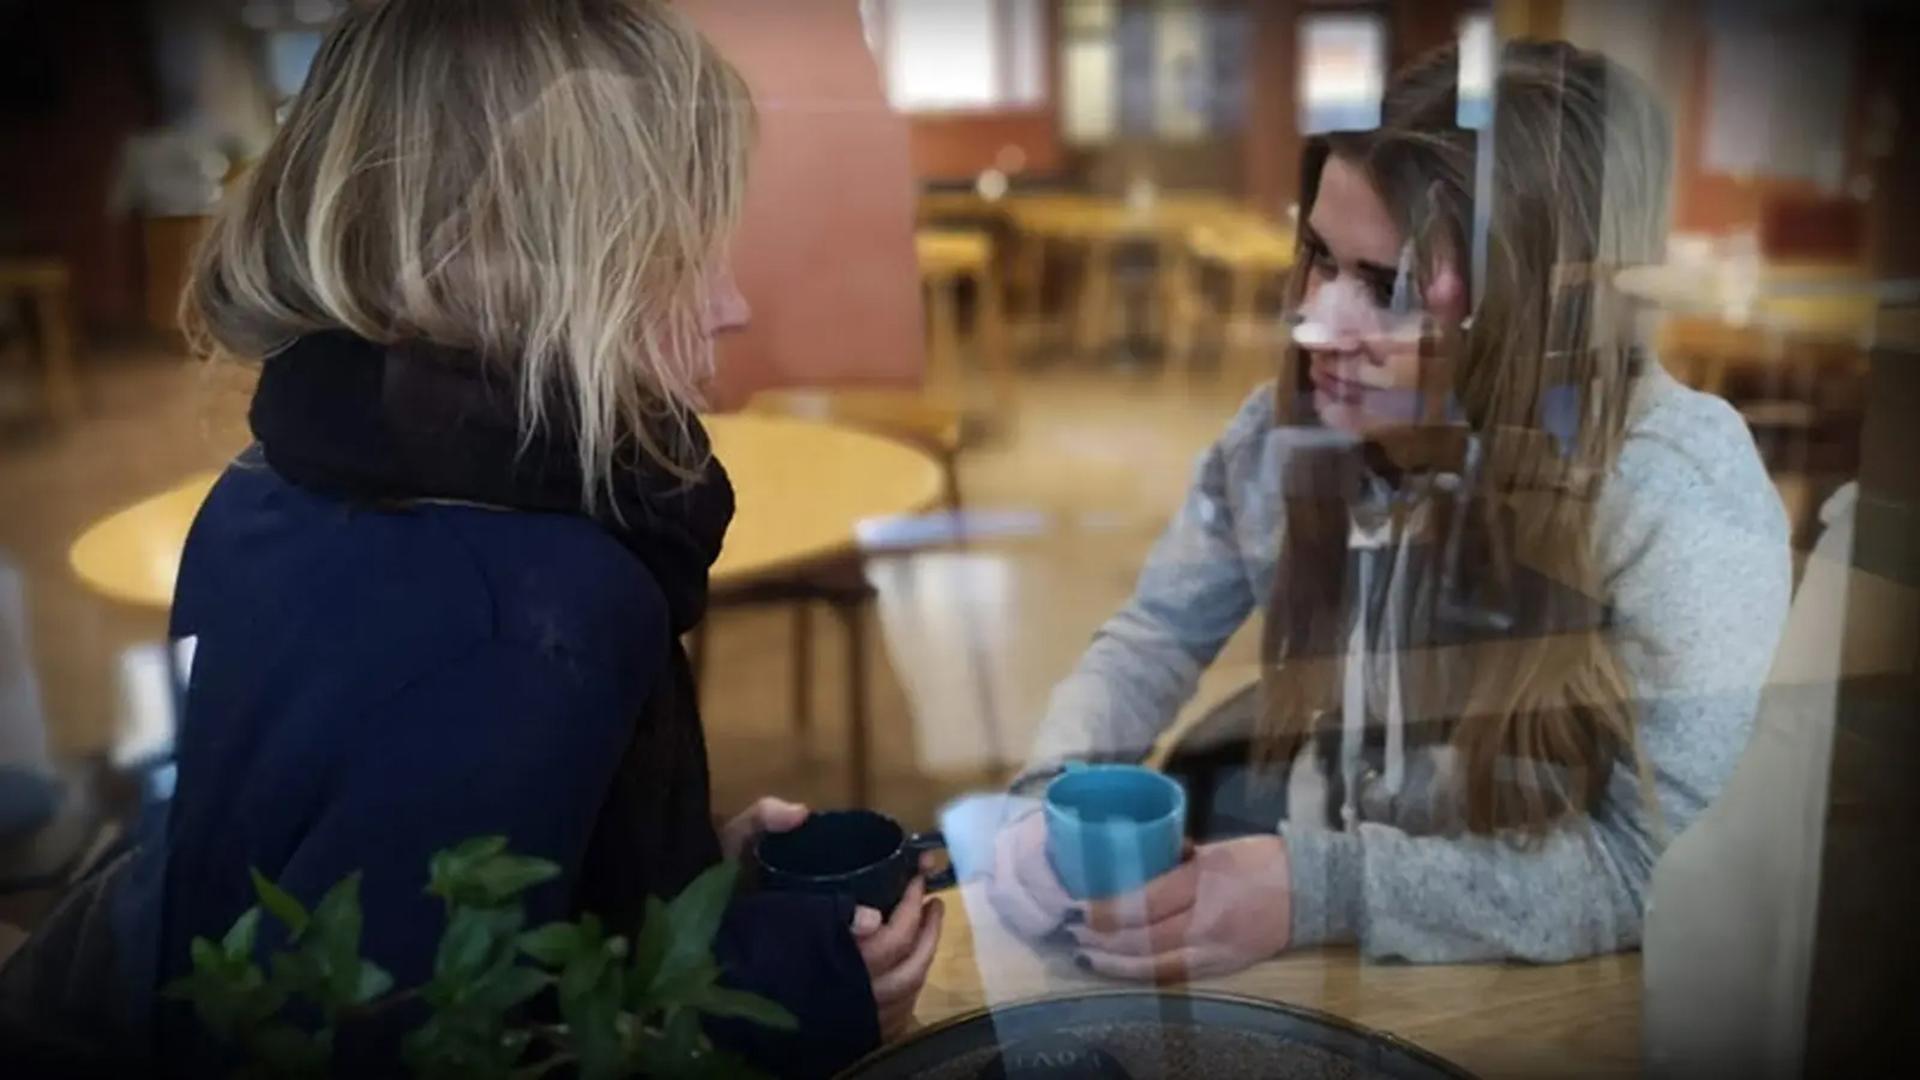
(802, 488)
(1581, 1018)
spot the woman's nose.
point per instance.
(727, 307)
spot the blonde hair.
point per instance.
(1580, 169)
(549, 186)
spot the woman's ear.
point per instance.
(1446, 293)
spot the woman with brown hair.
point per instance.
(1522, 587)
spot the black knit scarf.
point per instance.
(387, 424)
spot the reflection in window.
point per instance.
(1343, 65)
(1475, 106)
(1173, 70)
(943, 55)
(1089, 72)
(1761, 124)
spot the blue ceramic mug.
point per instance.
(1113, 828)
(857, 853)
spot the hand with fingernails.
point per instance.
(1227, 905)
(898, 950)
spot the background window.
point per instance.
(952, 55)
(1475, 106)
(1343, 70)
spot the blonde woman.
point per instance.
(483, 262)
(1521, 586)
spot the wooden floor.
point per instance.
(968, 645)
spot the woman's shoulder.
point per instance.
(551, 582)
(1691, 450)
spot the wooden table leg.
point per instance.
(1096, 291)
(1027, 296)
(1180, 298)
(990, 336)
(943, 328)
(803, 673)
(56, 351)
(852, 612)
(1243, 315)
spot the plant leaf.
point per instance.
(373, 982)
(650, 948)
(207, 956)
(553, 944)
(504, 877)
(694, 918)
(280, 904)
(686, 986)
(333, 941)
(741, 1005)
(465, 947)
(681, 1036)
(238, 944)
(506, 987)
(450, 872)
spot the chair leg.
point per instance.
(697, 652)
(852, 612)
(802, 673)
(56, 349)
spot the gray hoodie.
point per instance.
(1693, 544)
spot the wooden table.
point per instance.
(1796, 312)
(1493, 1019)
(802, 488)
(1252, 252)
(1099, 226)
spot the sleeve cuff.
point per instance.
(1326, 869)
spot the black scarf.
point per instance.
(380, 425)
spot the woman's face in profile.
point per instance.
(1364, 375)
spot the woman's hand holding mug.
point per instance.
(1226, 908)
(764, 816)
(1022, 885)
(898, 951)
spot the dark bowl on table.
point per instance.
(1151, 1035)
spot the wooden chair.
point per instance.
(948, 258)
(44, 285)
(841, 586)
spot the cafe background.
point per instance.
(1033, 248)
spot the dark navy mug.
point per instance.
(858, 853)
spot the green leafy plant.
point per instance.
(623, 1006)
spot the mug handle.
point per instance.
(934, 840)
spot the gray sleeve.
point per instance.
(1698, 569)
(1192, 595)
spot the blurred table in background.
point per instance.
(801, 489)
(1772, 312)
(1252, 253)
(42, 288)
(1579, 1018)
(1183, 232)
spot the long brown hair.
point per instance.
(1538, 706)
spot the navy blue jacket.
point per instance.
(371, 685)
